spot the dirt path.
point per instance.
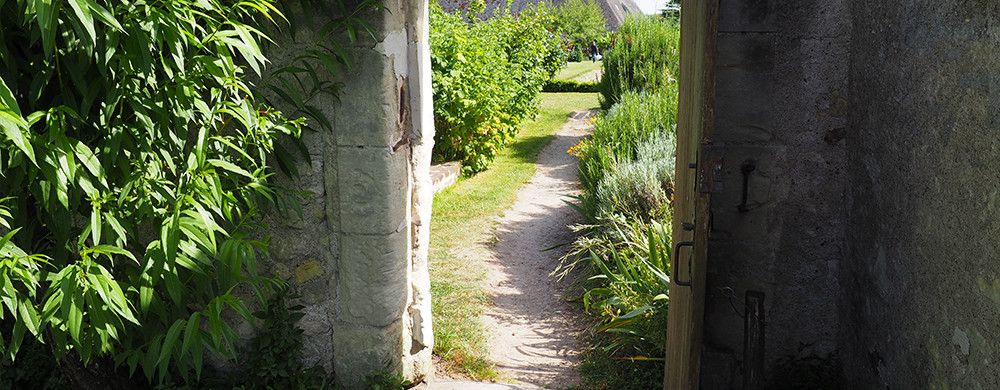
(534, 331)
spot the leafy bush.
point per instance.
(639, 119)
(487, 75)
(571, 86)
(274, 356)
(626, 170)
(135, 163)
(645, 57)
(632, 293)
(582, 22)
(640, 189)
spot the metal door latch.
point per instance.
(710, 172)
(674, 268)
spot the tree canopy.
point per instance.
(582, 22)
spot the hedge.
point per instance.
(571, 86)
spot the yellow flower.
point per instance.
(575, 149)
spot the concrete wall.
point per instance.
(922, 277)
(358, 255)
(781, 104)
(874, 205)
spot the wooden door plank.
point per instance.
(699, 25)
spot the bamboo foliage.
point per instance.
(134, 160)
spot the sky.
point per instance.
(650, 6)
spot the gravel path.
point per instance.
(534, 331)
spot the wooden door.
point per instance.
(697, 166)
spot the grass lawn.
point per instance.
(577, 69)
(462, 226)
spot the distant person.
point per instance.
(595, 53)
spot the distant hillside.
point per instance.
(614, 10)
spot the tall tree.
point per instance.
(582, 22)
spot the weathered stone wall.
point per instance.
(922, 278)
(358, 255)
(781, 107)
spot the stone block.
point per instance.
(362, 350)
(373, 190)
(372, 282)
(368, 114)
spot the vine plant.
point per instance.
(135, 157)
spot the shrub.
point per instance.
(645, 57)
(632, 294)
(487, 75)
(274, 354)
(640, 190)
(626, 172)
(571, 86)
(136, 162)
(638, 119)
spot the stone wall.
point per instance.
(781, 109)
(922, 277)
(358, 255)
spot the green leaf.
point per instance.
(73, 309)
(7, 99)
(168, 343)
(228, 166)
(95, 225)
(152, 354)
(16, 130)
(174, 287)
(47, 15)
(104, 15)
(82, 11)
(119, 230)
(109, 250)
(16, 338)
(51, 306)
(197, 351)
(29, 316)
(9, 294)
(90, 161)
(145, 295)
(192, 335)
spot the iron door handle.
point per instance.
(674, 269)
